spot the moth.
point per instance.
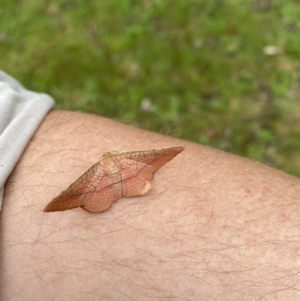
(116, 175)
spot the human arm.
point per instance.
(214, 226)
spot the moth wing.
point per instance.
(97, 203)
(135, 177)
(153, 158)
(100, 194)
(94, 191)
(138, 168)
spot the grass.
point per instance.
(220, 73)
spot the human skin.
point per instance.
(214, 226)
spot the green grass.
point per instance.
(201, 66)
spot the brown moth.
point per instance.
(116, 175)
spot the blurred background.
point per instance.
(220, 73)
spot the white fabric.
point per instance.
(21, 112)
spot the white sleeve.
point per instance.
(21, 112)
